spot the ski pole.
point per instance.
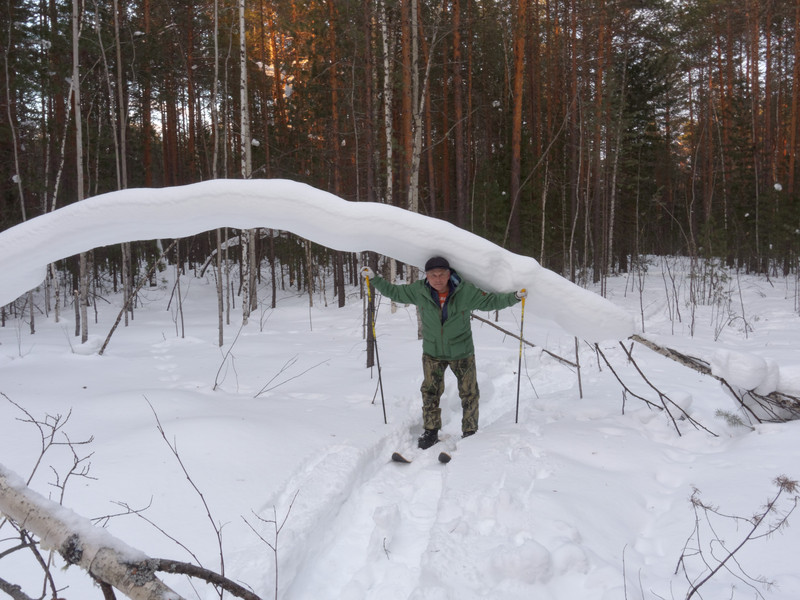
(519, 365)
(375, 345)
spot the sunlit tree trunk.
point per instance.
(794, 121)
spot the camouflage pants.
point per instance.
(433, 386)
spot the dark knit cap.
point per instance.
(437, 262)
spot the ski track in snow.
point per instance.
(360, 524)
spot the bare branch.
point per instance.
(665, 400)
(276, 534)
(288, 363)
(173, 447)
(12, 590)
(182, 568)
(524, 341)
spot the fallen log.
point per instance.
(775, 407)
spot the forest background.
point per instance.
(584, 133)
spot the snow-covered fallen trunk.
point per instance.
(750, 379)
(81, 543)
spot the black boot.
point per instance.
(428, 438)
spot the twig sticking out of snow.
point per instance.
(760, 526)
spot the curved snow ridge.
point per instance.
(143, 214)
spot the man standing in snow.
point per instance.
(445, 302)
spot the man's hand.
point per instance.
(523, 293)
(367, 273)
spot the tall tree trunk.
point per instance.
(598, 191)
(338, 257)
(191, 150)
(794, 118)
(147, 99)
(520, 26)
(369, 103)
(419, 95)
(249, 297)
(84, 276)
(462, 200)
(388, 50)
(406, 99)
(214, 174)
(575, 140)
(122, 105)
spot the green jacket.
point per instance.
(446, 331)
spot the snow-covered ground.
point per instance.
(272, 451)
(577, 500)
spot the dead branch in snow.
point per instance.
(127, 305)
(524, 341)
(277, 528)
(776, 406)
(667, 404)
(182, 568)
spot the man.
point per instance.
(445, 302)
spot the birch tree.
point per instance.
(83, 292)
(108, 560)
(17, 178)
(419, 92)
(214, 170)
(249, 297)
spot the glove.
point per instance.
(368, 273)
(523, 293)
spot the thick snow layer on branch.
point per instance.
(141, 214)
(746, 371)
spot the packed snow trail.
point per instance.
(396, 532)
